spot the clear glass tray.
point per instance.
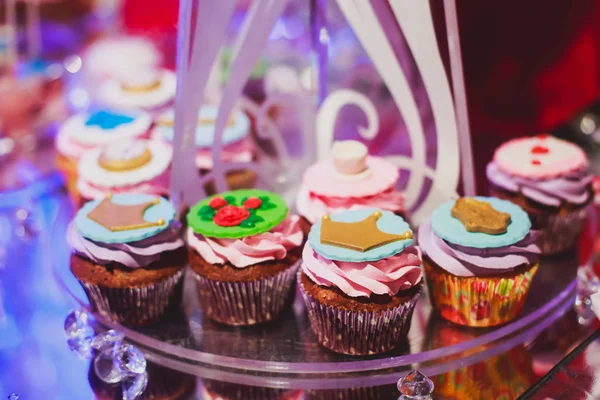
(285, 353)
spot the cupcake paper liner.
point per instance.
(246, 303)
(358, 332)
(360, 393)
(136, 306)
(68, 169)
(478, 301)
(559, 232)
(224, 390)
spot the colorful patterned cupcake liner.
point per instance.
(246, 303)
(358, 332)
(559, 232)
(478, 301)
(505, 376)
(136, 306)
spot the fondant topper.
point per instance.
(480, 216)
(360, 236)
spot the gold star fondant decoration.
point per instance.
(480, 216)
(123, 217)
(359, 236)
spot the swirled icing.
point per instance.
(470, 261)
(361, 279)
(572, 187)
(312, 206)
(250, 250)
(134, 254)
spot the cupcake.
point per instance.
(351, 179)
(360, 279)
(130, 166)
(91, 130)
(480, 258)
(128, 256)
(245, 252)
(237, 144)
(549, 179)
(150, 90)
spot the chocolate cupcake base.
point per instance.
(250, 300)
(132, 297)
(559, 228)
(348, 329)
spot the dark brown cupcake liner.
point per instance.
(385, 392)
(225, 390)
(559, 232)
(358, 332)
(246, 303)
(136, 306)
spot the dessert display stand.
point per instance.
(285, 354)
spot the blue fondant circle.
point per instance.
(205, 133)
(389, 222)
(94, 231)
(452, 230)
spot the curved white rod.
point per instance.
(368, 29)
(329, 112)
(414, 17)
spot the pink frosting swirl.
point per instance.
(387, 276)
(69, 148)
(241, 151)
(158, 186)
(268, 246)
(312, 206)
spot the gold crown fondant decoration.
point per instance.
(480, 216)
(359, 236)
(123, 217)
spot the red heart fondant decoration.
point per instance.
(539, 150)
(536, 162)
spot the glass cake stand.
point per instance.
(285, 354)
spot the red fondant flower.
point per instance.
(230, 216)
(217, 203)
(252, 202)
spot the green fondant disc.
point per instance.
(271, 212)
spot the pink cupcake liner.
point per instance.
(246, 303)
(358, 332)
(136, 306)
(559, 232)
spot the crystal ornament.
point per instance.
(107, 339)
(77, 325)
(134, 386)
(13, 396)
(130, 360)
(415, 386)
(587, 285)
(106, 368)
(113, 360)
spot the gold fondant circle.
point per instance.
(120, 165)
(141, 88)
